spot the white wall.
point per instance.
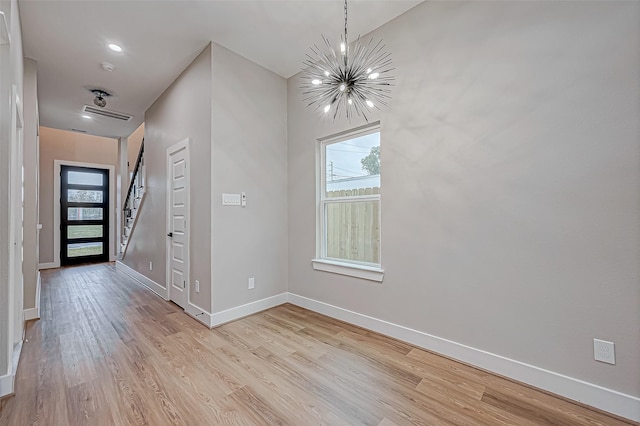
(133, 146)
(11, 288)
(248, 154)
(182, 111)
(31, 170)
(510, 184)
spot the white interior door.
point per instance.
(178, 223)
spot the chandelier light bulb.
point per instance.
(344, 82)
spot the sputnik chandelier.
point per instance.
(355, 80)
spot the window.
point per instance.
(348, 234)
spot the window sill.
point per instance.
(353, 270)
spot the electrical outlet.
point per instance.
(151, 266)
(604, 351)
(197, 286)
(252, 283)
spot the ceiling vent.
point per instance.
(107, 113)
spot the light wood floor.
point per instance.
(109, 352)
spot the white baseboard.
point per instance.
(147, 282)
(222, 317)
(31, 314)
(48, 265)
(7, 381)
(615, 402)
(34, 313)
(199, 314)
(6, 385)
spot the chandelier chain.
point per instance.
(346, 41)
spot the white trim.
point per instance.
(5, 37)
(31, 314)
(48, 265)
(371, 273)
(6, 385)
(145, 281)
(183, 144)
(34, 313)
(322, 202)
(199, 314)
(609, 400)
(364, 130)
(232, 314)
(7, 381)
(122, 181)
(56, 206)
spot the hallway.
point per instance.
(109, 352)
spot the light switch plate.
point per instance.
(230, 199)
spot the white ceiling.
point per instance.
(160, 38)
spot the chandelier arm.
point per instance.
(354, 80)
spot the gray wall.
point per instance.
(249, 154)
(510, 198)
(182, 111)
(70, 146)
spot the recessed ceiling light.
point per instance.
(88, 117)
(115, 47)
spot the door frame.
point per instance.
(186, 145)
(56, 204)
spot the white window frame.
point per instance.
(364, 270)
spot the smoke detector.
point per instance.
(107, 66)
(100, 100)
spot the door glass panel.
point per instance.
(84, 213)
(84, 231)
(84, 178)
(84, 249)
(84, 196)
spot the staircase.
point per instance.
(132, 203)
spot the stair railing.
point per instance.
(134, 195)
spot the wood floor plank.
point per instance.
(517, 398)
(107, 351)
(302, 407)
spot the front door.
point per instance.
(178, 214)
(84, 215)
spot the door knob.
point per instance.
(170, 234)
